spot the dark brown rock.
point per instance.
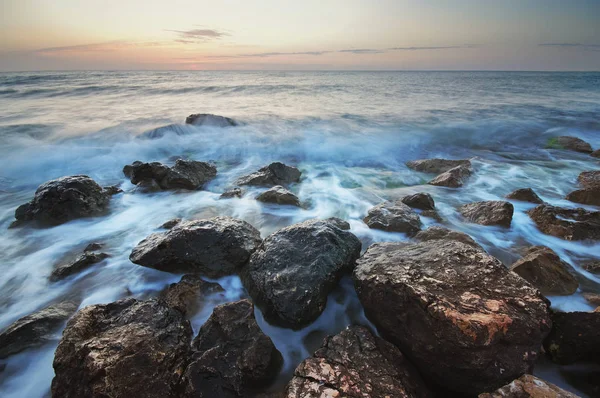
(232, 193)
(590, 194)
(187, 295)
(574, 337)
(393, 217)
(279, 195)
(185, 174)
(571, 143)
(83, 261)
(493, 212)
(464, 320)
(420, 200)
(432, 214)
(453, 178)
(592, 266)
(528, 386)
(436, 165)
(525, 195)
(441, 233)
(276, 173)
(596, 153)
(208, 119)
(568, 224)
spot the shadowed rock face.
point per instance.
(214, 247)
(436, 165)
(568, 224)
(276, 173)
(186, 296)
(453, 178)
(489, 213)
(291, 274)
(393, 217)
(463, 319)
(64, 199)
(207, 119)
(279, 195)
(420, 200)
(596, 153)
(185, 174)
(525, 195)
(528, 386)
(355, 363)
(441, 233)
(590, 194)
(573, 144)
(574, 337)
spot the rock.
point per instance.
(207, 119)
(463, 319)
(591, 266)
(525, 195)
(420, 200)
(64, 199)
(113, 190)
(280, 196)
(542, 267)
(161, 131)
(441, 233)
(147, 186)
(568, 224)
(570, 143)
(232, 193)
(128, 348)
(185, 174)
(590, 194)
(432, 214)
(213, 247)
(355, 363)
(85, 260)
(592, 298)
(436, 165)
(493, 212)
(393, 217)
(596, 153)
(171, 223)
(186, 296)
(338, 222)
(291, 274)
(574, 337)
(274, 174)
(36, 329)
(453, 178)
(94, 246)
(232, 356)
(528, 386)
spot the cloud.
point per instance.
(362, 51)
(572, 45)
(95, 47)
(427, 48)
(198, 35)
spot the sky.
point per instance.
(299, 35)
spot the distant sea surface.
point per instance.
(350, 133)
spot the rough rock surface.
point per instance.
(355, 363)
(542, 267)
(572, 144)
(436, 165)
(463, 319)
(187, 295)
(232, 356)
(420, 200)
(528, 386)
(291, 274)
(207, 119)
(185, 174)
(276, 173)
(592, 298)
(453, 178)
(35, 329)
(64, 199)
(525, 195)
(171, 223)
(232, 193)
(113, 190)
(592, 266)
(213, 247)
(494, 212)
(393, 217)
(338, 222)
(280, 196)
(441, 233)
(568, 224)
(574, 337)
(590, 194)
(128, 348)
(85, 260)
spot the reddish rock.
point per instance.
(590, 194)
(453, 178)
(528, 386)
(568, 224)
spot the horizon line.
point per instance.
(308, 70)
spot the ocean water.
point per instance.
(350, 133)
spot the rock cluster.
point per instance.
(185, 174)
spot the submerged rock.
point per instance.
(36, 329)
(493, 212)
(453, 178)
(207, 119)
(185, 174)
(542, 267)
(187, 295)
(441, 233)
(213, 247)
(279, 195)
(232, 193)
(393, 217)
(568, 224)
(276, 173)
(528, 386)
(463, 319)
(355, 363)
(525, 195)
(574, 337)
(590, 194)
(291, 274)
(85, 260)
(596, 153)
(420, 200)
(436, 165)
(64, 199)
(570, 143)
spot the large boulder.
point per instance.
(436, 165)
(575, 336)
(568, 224)
(453, 178)
(441, 233)
(128, 348)
(185, 174)
(590, 194)
(187, 295)
(232, 356)
(525, 195)
(355, 363)
(420, 200)
(542, 267)
(279, 195)
(291, 274)
(464, 320)
(494, 212)
(207, 119)
(36, 329)
(393, 217)
(213, 247)
(82, 262)
(64, 199)
(276, 173)
(528, 386)
(570, 143)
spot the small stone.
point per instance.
(279, 195)
(525, 195)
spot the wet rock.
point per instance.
(94, 246)
(279, 195)
(187, 295)
(570, 143)
(128, 348)
(113, 190)
(207, 119)
(213, 247)
(525, 195)
(590, 194)
(453, 178)
(161, 131)
(82, 262)
(568, 224)
(528, 386)
(420, 200)
(591, 266)
(338, 222)
(36, 329)
(441, 233)
(232, 193)
(274, 174)
(355, 363)
(232, 356)
(291, 274)
(147, 186)
(185, 174)
(171, 223)
(596, 153)
(464, 320)
(436, 165)
(542, 267)
(574, 337)
(64, 199)
(393, 217)
(592, 298)
(432, 214)
(493, 212)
